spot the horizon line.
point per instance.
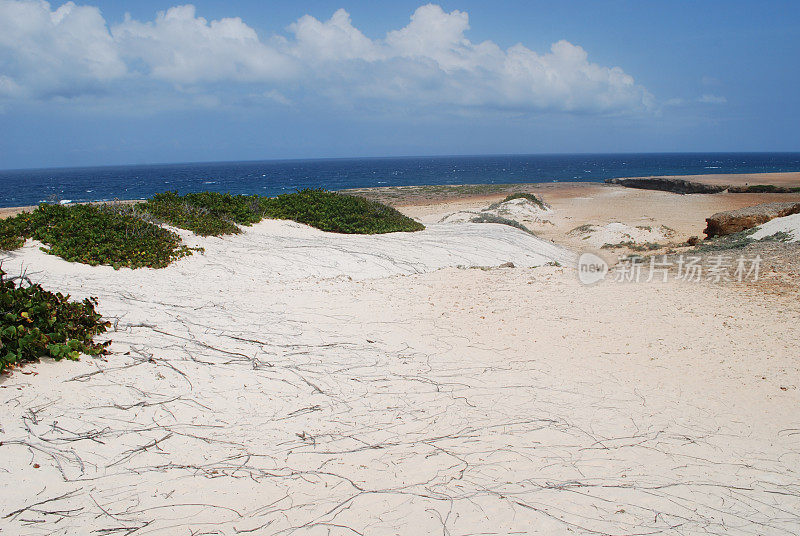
(390, 157)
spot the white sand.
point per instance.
(246, 395)
(277, 251)
(788, 224)
(616, 233)
(519, 210)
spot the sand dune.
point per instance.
(284, 251)
(295, 382)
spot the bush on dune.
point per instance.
(339, 213)
(241, 209)
(95, 234)
(492, 218)
(14, 231)
(130, 235)
(179, 212)
(530, 197)
(210, 213)
(35, 323)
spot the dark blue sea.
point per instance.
(272, 177)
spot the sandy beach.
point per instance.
(460, 380)
(590, 203)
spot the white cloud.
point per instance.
(333, 40)
(9, 88)
(183, 48)
(428, 63)
(68, 50)
(436, 36)
(712, 99)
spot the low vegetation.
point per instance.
(204, 214)
(114, 235)
(530, 197)
(739, 240)
(582, 229)
(131, 235)
(763, 189)
(37, 323)
(491, 218)
(210, 213)
(634, 246)
(339, 213)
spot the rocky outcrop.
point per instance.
(668, 184)
(733, 221)
(763, 189)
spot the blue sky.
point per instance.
(112, 82)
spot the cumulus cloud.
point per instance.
(334, 40)
(183, 48)
(433, 35)
(43, 51)
(430, 62)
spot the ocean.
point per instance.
(273, 177)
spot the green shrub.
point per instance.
(338, 213)
(14, 230)
(731, 241)
(180, 212)
(95, 234)
(646, 246)
(780, 236)
(210, 213)
(530, 197)
(739, 240)
(35, 323)
(491, 218)
(582, 229)
(241, 209)
(129, 235)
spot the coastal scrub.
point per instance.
(530, 197)
(132, 235)
(35, 323)
(206, 213)
(339, 213)
(95, 234)
(211, 213)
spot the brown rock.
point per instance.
(733, 221)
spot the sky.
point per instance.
(97, 82)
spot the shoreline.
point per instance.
(604, 216)
(427, 194)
